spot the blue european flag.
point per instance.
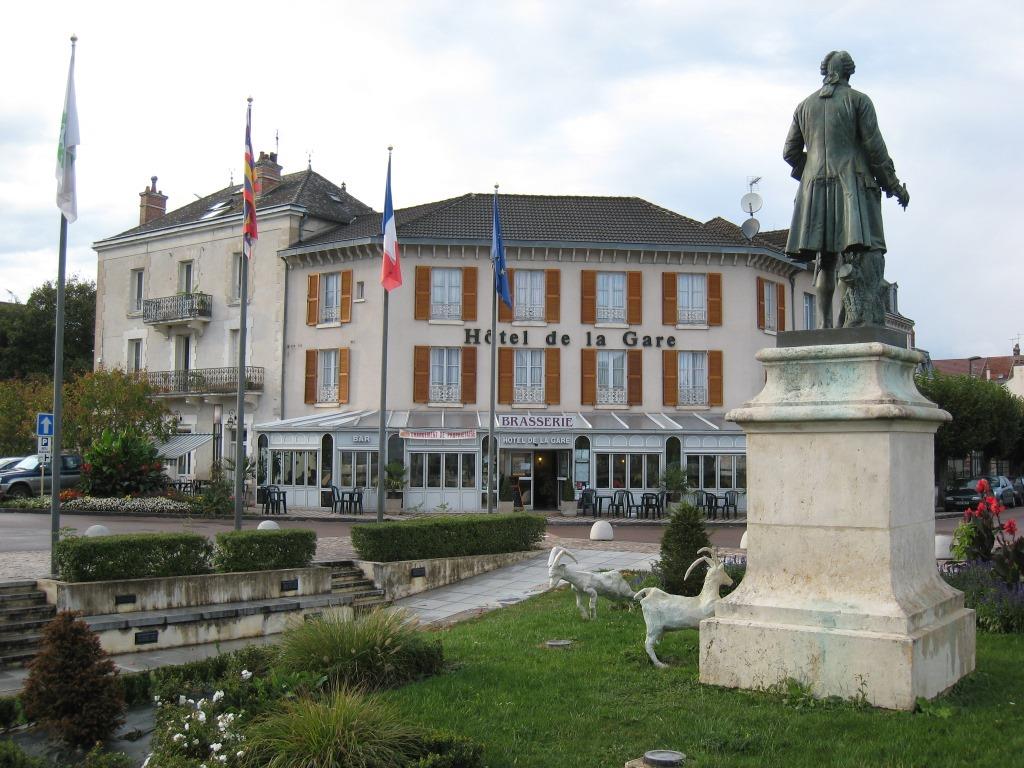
(498, 257)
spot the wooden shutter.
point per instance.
(780, 307)
(421, 310)
(635, 298)
(345, 306)
(634, 377)
(421, 371)
(506, 374)
(714, 298)
(552, 375)
(552, 296)
(343, 375)
(588, 376)
(715, 378)
(670, 376)
(310, 377)
(468, 373)
(507, 314)
(760, 303)
(469, 289)
(588, 299)
(312, 299)
(669, 298)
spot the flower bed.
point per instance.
(152, 505)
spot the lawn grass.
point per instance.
(601, 702)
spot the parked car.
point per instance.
(1018, 489)
(25, 478)
(967, 494)
(9, 462)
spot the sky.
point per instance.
(679, 103)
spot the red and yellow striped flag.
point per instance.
(249, 190)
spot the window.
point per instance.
(135, 355)
(611, 297)
(137, 282)
(236, 277)
(528, 384)
(445, 294)
(357, 469)
(628, 470)
(693, 378)
(529, 294)
(183, 353)
(330, 297)
(724, 472)
(185, 277)
(611, 377)
(442, 470)
(360, 291)
(445, 384)
(771, 314)
(810, 321)
(582, 460)
(233, 346)
(327, 376)
(691, 299)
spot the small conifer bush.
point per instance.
(684, 535)
(72, 688)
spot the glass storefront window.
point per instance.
(451, 470)
(276, 468)
(311, 458)
(286, 477)
(261, 460)
(725, 472)
(327, 471)
(709, 472)
(693, 471)
(603, 479)
(469, 470)
(618, 470)
(653, 465)
(741, 471)
(417, 465)
(433, 470)
(347, 472)
(361, 461)
(636, 470)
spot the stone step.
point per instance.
(336, 564)
(18, 586)
(16, 658)
(26, 613)
(366, 595)
(335, 572)
(350, 578)
(355, 589)
(23, 599)
(17, 628)
(19, 643)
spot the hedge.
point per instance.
(447, 536)
(132, 556)
(264, 550)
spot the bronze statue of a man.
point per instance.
(838, 155)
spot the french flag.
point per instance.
(391, 268)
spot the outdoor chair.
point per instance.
(731, 501)
(275, 501)
(337, 505)
(618, 505)
(709, 503)
(355, 501)
(586, 502)
(654, 504)
(633, 507)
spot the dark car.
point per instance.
(967, 494)
(29, 474)
(1018, 489)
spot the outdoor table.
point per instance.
(599, 501)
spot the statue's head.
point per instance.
(837, 65)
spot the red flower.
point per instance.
(982, 486)
(997, 508)
(1010, 527)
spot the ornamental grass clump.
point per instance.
(343, 730)
(378, 650)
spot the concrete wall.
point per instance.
(397, 581)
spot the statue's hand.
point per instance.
(901, 194)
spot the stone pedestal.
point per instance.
(841, 591)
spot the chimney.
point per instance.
(152, 204)
(268, 173)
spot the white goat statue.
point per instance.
(666, 613)
(607, 583)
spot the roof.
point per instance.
(550, 218)
(178, 445)
(320, 197)
(994, 368)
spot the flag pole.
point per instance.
(492, 452)
(243, 306)
(382, 443)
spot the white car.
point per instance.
(9, 461)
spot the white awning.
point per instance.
(179, 445)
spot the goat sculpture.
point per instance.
(607, 583)
(667, 613)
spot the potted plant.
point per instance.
(673, 482)
(394, 485)
(505, 501)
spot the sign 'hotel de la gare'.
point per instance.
(633, 330)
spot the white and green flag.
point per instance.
(67, 200)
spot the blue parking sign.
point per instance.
(44, 424)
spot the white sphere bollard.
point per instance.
(601, 531)
(268, 525)
(97, 530)
(943, 546)
(743, 540)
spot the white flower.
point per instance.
(186, 726)
(239, 753)
(201, 716)
(178, 737)
(222, 758)
(156, 699)
(181, 700)
(217, 696)
(149, 757)
(246, 674)
(201, 703)
(215, 747)
(195, 742)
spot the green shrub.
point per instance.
(377, 650)
(999, 608)
(342, 730)
(217, 498)
(97, 757)
(447, 536)
(264, 550)
(10, 712)
(12, 756)
(684, 535)
(72, 687)
(197, 678)
(132, 556)
(445, 750)
(122, 464)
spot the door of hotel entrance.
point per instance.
(548, 467)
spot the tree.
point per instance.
(684, 535)
(26, 331)
(20, 401)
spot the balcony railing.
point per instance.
(446, 311)
(530, 312)
(693, 395)
(327, 394)
(329, 314)
(171, 309)
(445, 393)
(204, 381)
(691, 316)
(611, 396)
(527, 394)
(611, 314)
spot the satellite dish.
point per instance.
(751, 203)
(750, 228)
